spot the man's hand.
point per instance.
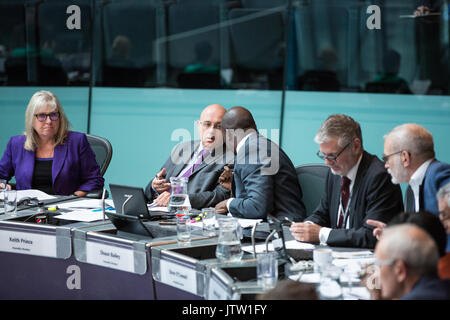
(422, 10)
(163, 199)
(226, 177)
(306, 232)
(159, 183)
(379, 227)
(221, 207)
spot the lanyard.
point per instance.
(344, 223)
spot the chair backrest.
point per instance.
(103, 151)
(312, 181)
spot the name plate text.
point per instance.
(28, 243)
(178, 276)
(110, 256)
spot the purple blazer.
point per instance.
(74, 165)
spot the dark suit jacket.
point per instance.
(74, 165)
(265, 182)
(374, 196)
(204, 189)
(429, 288)
(436, 176)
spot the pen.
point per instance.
(108, 208)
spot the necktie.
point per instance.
(197, 163)
(345, 194)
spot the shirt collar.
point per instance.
(354, 170)
(242, 142)
(417, 177)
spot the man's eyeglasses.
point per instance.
(386, 157)
(387, 262)
(209, 124)
(332, 157)
(43, 116)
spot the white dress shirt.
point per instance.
(325, 232)
(416, 180)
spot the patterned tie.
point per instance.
(345, 193)
(197, 163)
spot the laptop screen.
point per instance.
(136, 204)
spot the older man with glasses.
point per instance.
(357, 188)
(410, 158)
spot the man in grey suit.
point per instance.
(264, 178)
(357, 188)
(201, 161)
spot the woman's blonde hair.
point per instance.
(38, 101)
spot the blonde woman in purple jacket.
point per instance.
(48, 156)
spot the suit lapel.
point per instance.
(360, 174)
(178, 167)
(59, 156)
(335, 205)
(28, 162)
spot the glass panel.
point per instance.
(336, 48)
(41, 49)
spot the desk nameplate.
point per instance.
(110, 252)
(179, 276)
(217, 289)
(44, 241)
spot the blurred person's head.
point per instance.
(121, 47)
(443, 197)
(406, 148)
(405, 253)
(391, 61)
(45, 119)
(428, 222)
(340, 143)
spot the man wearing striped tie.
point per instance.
(200, 161)
(357, 188)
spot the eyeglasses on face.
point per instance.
(43, 116)
(209, 124)
(386, 157)
(331, 156)
(387, 262)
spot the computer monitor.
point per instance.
(129, 224)
(136, 204)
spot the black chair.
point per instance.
(103, 151)
(103, 154)
(312, 181)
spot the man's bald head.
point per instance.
(209, 126)
(413, 138)
(213, 109)
(238, 118)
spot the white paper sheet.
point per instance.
(31, 193)
(352, 254)
(154, 208)
(245, 223)
(294, 244)
(85, 204)
(356, 293)
(82, 216)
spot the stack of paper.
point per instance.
(82, 215)
(32, 193)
